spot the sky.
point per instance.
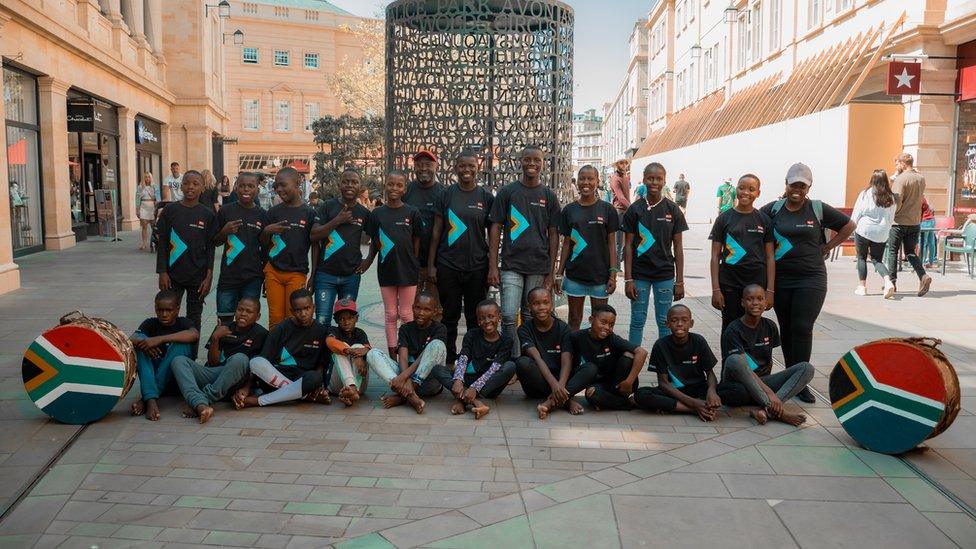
(601, 37)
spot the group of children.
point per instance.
(438, 247)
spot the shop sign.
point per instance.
(81, 117)
(144, 135)
(106, 119)
(904, 78)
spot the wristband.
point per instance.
(614, 270)
(771, 291)
(679, 283)
(716, 290)
(626, 281)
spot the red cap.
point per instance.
(344, 305)
(425, 154)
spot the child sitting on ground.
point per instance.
(349, 346)
(295, 359)
(483, 368)
(158, 341)
(684, 363)
(232, 345)
(747, 350)
(617, 360)
(420, 348)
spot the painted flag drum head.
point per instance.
(78, 371)
(891, 395)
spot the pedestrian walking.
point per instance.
(927, 240)
(725, 195)
(682, 190)
(620, 191)
(874, 212)
(909, 187)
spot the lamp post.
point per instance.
(238, 37)
(223, 9)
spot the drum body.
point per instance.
(78, 371)
(891, 395)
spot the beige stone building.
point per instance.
(277, 82)
(625, 116)
(96, 92)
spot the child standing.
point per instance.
(589, 253)
(185, 256)
(653, 255)
(395, 229)
(242, 263)
(232, 345)
(287, 239)
(617, 360)
(158, 342)
(419, 350)
(483, 368)
(742, 252)
(349, 346)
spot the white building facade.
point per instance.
(625, 118)
(587, 140)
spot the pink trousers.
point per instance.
(397, 302)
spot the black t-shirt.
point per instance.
(415, 338)
(799, 241)
(152, 327)
(288, 251)
(208, 197)
(426, 201)
(482, 353)
(686, 364)
(588, 227)
(757, 344)
(605, 353)
(357, 337)
(653, 228)
(394, 230)
(341, 254)
(242, 260)
(464, 236)
(743, 238)
(302, 348)
(186, 249)
(525, 214)
(250, 342)
(548, 344)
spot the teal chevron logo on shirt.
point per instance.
(579, 244)
(783, 245)
(734, 249)
(677, 383)
(752, 363)
(176, 247)
(277, 245)
(334, 244)
(456, 227)
(518, 224)
(286, 359)
(232, 249)
(386, 245)
(646, 239)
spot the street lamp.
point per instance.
(238, 37)
(669, 75)
(223, 9)
(696, 51)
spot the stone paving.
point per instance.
(310, 476)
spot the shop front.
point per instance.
(93, 159)
(23, 161)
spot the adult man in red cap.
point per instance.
(424, 193)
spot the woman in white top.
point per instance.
(147, 207)
(874, 213)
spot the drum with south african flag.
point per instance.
(79, 370)
(891, 395)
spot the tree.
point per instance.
(344, 141)
(360, 83)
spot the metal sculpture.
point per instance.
(488, 75)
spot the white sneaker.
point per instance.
(860, 290)
(889, 289)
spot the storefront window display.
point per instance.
(23, 161)
(93, 159)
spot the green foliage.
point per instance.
(345, 141)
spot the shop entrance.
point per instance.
(92, 168)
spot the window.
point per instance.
(281, 58)
(282, 116)
(844, 5)
(743, 41)
(250, 56)
(679, 90)
(814, 14)
(756, 31)
(774, 24)
(251, 114)
(679, 16)
(709, 63)
(311, 60)
(311, 115)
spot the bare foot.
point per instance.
(392, 401)
(457, 408)
(573, 407)
(759, 415)
(187, 412)
(348, 395)
(320, 396)
(791, 418)
(152, 410)
(417, 402)
(543, 410)
(205, 412)
(479, 409)
(138, 408)
(249, 401)
(238, 398)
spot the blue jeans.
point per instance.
(515, 287)
(227, 298)
(663, 296)
(928, 246)
(329, 288)
(155, 374)
(204, 385)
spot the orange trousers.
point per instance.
(279, 285)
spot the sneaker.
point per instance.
(924, 285)
(860, 290)
(806, 396)
(889, 289)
